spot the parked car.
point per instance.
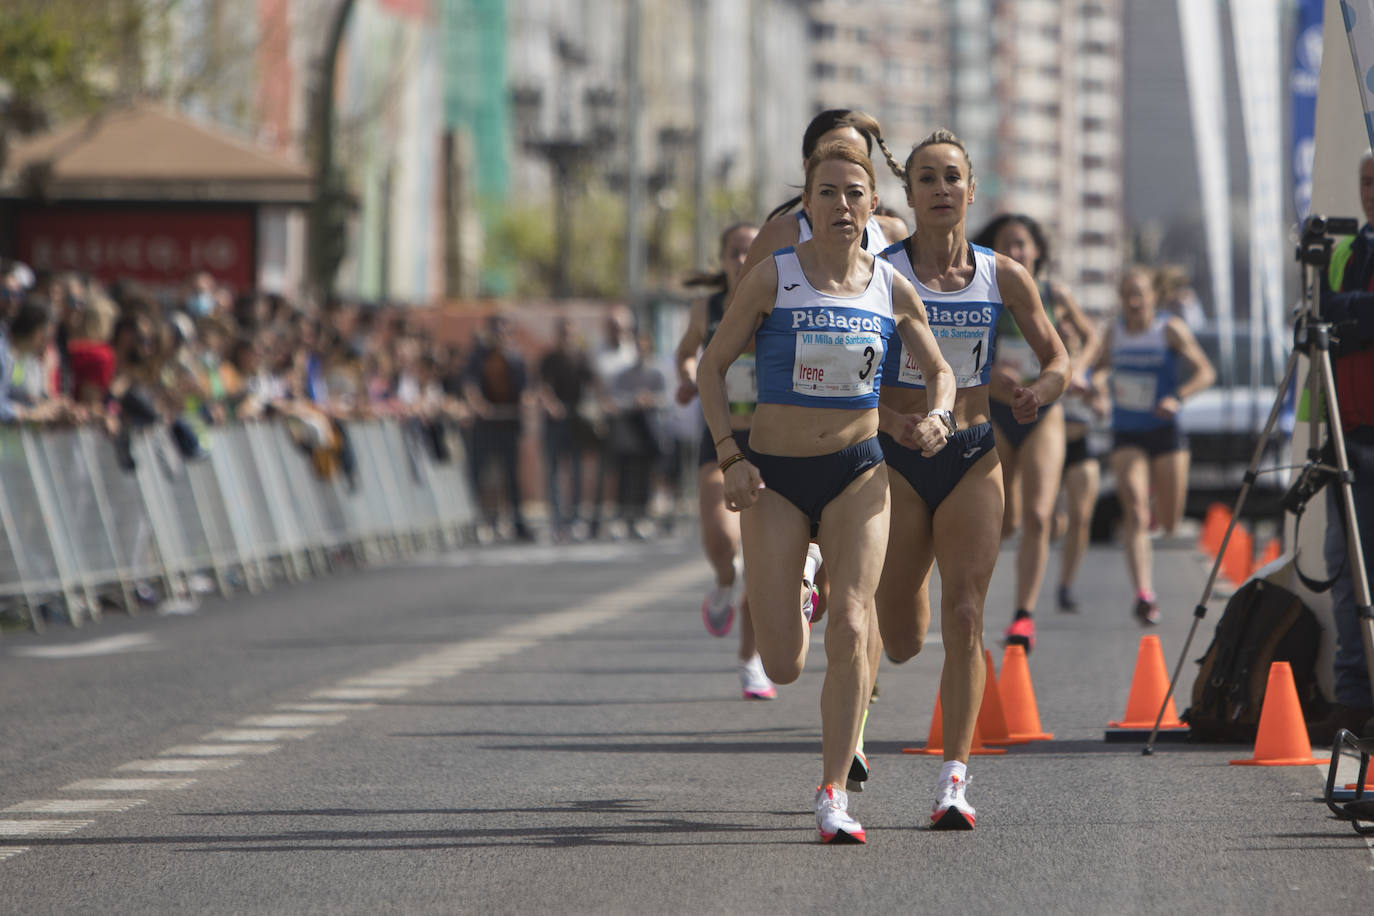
(1223, 425)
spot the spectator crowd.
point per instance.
(76, 351)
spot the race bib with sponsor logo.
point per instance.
(1134, 390)
(840, 364)
(964, 348)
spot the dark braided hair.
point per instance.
(833, 119)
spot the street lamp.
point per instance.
(574, 142)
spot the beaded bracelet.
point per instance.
(725, 465)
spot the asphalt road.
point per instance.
(550, 730)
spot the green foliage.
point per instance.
(521, 247)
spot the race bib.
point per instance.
(1134, 390)
(1015, 354)
(741, 385)
(964, 348)
(838, 364)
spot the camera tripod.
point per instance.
(1313, 339)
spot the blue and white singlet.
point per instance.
(874, 240)
(963, 321)
(1144, 370)
(819, 350)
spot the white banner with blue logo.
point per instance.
(1200, 25)
(1259, 61)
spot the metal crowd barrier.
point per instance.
(80, 530)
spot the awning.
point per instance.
(147, 153)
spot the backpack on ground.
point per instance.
(1262, 623)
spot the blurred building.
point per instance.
(1034, 90)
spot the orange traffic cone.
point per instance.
(1018, 696)
(1239, 560)
(1213, 529)
(992, 717)
(1282, 737)
(935, 744)
(1148, 688)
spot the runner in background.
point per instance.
(719, 525)
(1142, 360)
(1032, 452)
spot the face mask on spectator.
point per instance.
(201, 304)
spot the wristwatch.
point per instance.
(945, 417)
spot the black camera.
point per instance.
(1317, 237)
(1310, 481)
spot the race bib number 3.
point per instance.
(1134, 390)
(965, 349)
(836, 365)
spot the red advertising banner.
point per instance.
(160, 246)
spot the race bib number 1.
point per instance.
(965, 349)
(838, 364)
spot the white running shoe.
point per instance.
(753, 682)
(718, 610)
(952, 811)
(832, 817)
(812, 597)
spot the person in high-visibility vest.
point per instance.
(1348, 303)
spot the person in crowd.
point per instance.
(1152, 363)
(719, 526)
(495, 390)
(33, 372)
(92, 356)
(566, 380)
(616, 353)
(820, 316)
(948, 507)
(1032, 453)
(1084, 406)
(637, 434)
(1347, 302)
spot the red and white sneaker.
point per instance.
(832, 817)
(754, 684)
(952, 811)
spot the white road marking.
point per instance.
(9, 852)
(301, 720)
(109, 645)
(175, 765)
(75, 805)
(323, 707)
(128, 785)
(389, 681)
(41, 828)
(359, 693)
(257, 734)
(217, 750)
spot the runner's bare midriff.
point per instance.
(793, 431)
